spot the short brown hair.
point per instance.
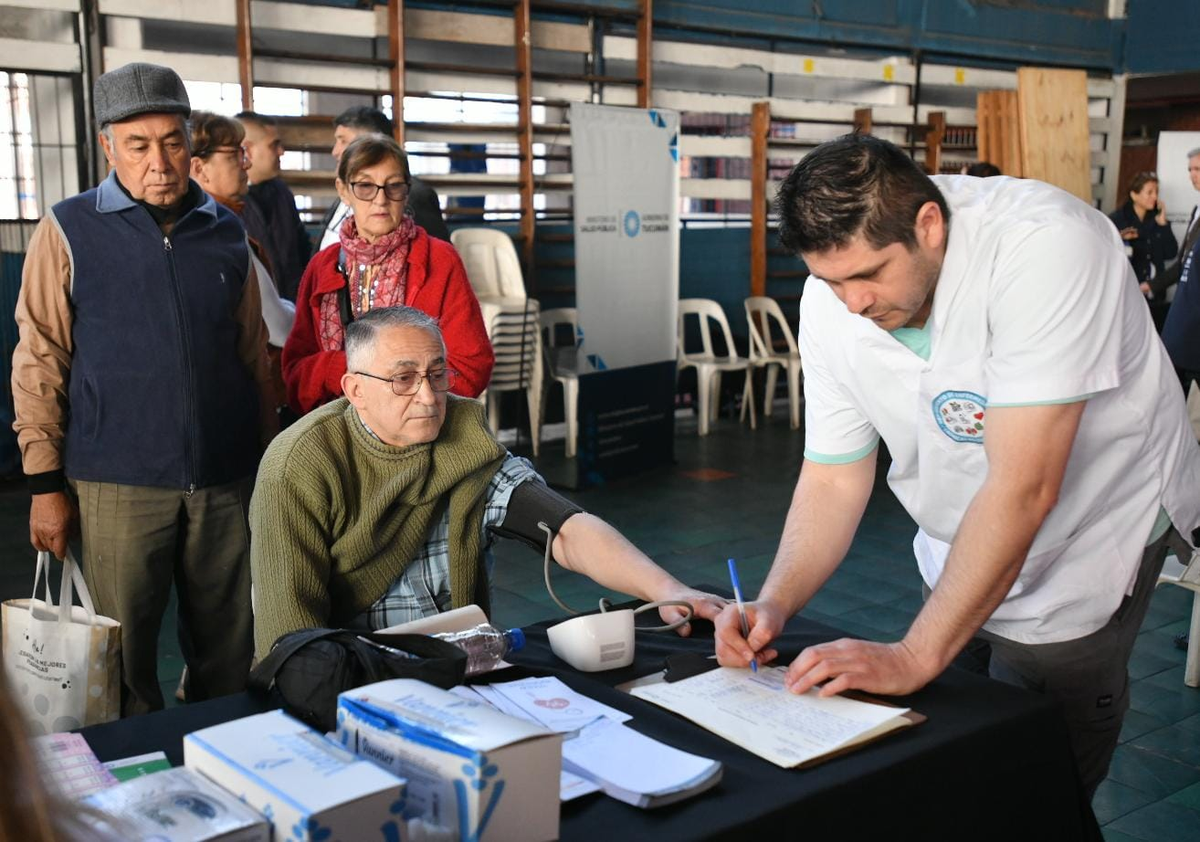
(211, 131)
(1141, 179)
(368, 150)
(854, 184)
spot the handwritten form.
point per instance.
(758, 714)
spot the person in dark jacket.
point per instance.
(270, 215)
(139, 381)
(422, 199)
(1149, 241)
(1181, 333)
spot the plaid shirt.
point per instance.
(423, 589)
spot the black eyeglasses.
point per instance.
(396, 191)
(238, 152)
(409, 382)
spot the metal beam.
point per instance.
(645, 60)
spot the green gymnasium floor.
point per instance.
(726, 496)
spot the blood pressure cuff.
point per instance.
(532, 502)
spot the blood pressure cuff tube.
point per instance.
(533, 502)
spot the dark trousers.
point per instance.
(1089, 675)
(137, 541)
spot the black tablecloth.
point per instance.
(991, 762)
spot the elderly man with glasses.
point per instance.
(379, 507)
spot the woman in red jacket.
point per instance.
(384, 258)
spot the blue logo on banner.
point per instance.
(674, 147)
(657, 119)
(633, 223)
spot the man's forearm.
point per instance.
(826, 508)
(586, 544)
(985, 559)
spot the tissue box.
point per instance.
(473, 773)
(311, 789)
(174, 805)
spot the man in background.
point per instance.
(1171, 276)
(270, 215)
(422, 199)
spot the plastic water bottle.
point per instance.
(485, 645)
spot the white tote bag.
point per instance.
(63, 663)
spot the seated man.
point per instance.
(376, 509)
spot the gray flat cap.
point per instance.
(139, 88)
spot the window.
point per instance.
(18, 184)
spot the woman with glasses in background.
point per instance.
(219, 166)
(383, 258)
(1149, 241)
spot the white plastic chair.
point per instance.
(710, 366)
(513, 328)
(490, 259)
(761, 313)
(550, 320)
(1174, 573)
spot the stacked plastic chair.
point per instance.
(511, 317)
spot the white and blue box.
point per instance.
(310, 788)
(472, 772)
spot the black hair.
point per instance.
(983, 169)
(263, 120)
(364, 118)
(855, 184)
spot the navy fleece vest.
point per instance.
(158, 395)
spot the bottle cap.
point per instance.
(517, 638)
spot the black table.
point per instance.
(991, 762)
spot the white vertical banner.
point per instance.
(625, 163)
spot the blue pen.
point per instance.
(737, 594)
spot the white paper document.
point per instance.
(570, 785)
(758, 714)
(637, 769)
(555, 705)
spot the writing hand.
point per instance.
(766, 621)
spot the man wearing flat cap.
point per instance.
(137, 382)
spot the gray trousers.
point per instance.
(1089, 675)
(137, 541)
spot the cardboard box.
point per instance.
(310, 788)
(471, 770)
(174, 805)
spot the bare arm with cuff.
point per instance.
(585, 544)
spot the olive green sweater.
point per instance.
(337, 515)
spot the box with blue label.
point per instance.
(472, 772)
(310, 788)
(174, 805)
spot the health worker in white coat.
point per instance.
(990, 333)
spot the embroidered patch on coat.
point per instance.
(960, 415)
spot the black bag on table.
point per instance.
(309, 668)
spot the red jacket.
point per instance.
(436, 284)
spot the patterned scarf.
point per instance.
(377, 277)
